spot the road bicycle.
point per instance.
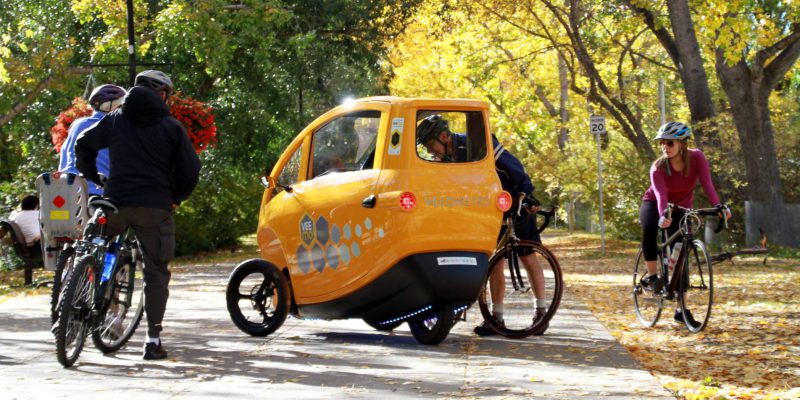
(519, 306)
(685, 272)
(103, 293)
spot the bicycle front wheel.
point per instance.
(125, 307)
(696, 288)
(518, 301)
(75, 313)
(646, 303)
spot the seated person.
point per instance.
(28, 221)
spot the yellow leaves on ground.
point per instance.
(750, 348)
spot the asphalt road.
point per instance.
(210, 358)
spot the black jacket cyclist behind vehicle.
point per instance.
(153, 168)
(434, 133)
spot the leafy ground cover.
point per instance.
(751, 348)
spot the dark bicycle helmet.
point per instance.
(673, 131)
(105, 93)
(430, 127)
(155, 80)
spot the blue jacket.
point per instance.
(66, 162)
(512, 174)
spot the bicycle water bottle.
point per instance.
(673, 257)
(108, 264)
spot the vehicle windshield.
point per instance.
(346, 143)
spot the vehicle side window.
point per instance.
(291, 170)
(468, 134)
(346, 143)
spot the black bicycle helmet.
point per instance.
(430, 127)
(155, 80)
(673, 131)
(105, 93)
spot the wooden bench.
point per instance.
(27, 253)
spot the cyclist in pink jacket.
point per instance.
(673, 177)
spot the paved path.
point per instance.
(210, 358)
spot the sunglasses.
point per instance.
(669, 143)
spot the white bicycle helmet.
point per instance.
(673, 131)
(155, 80)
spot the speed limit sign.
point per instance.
(597, 124)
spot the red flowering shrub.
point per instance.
(59, 131)
(195, 115)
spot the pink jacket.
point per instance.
(679, 189)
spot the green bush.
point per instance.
(222, 208)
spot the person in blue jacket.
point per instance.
(434, 133)
(103, 100)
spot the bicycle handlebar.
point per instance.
(713, 211)
(548, 215)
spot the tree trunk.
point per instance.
(748, 96)
(693, 75)
(563, 134)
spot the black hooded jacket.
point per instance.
(153, 163)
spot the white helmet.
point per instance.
(673, 131)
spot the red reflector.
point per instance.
(59, 201)
(102, 220)
(504, 201)
(408, 201)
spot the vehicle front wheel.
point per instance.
(258, 297)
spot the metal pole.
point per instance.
(661, 102)
(600, 190)
(131, 45)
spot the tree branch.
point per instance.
(776, 69)
(31, 96)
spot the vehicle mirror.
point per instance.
(270, 182)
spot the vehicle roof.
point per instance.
(422, 101)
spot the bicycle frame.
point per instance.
(686, 233)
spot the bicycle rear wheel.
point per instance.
(696, 289)
(64, 263)
(646, 303)
(125, 308)
(74, 317)
(519, 317)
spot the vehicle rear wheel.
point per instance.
(258, 297)
(432, 326)
(647, 304)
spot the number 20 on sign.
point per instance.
(597, 124)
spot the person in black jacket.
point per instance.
(434, 133)
(153, 168)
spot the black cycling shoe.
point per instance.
(543, 328)
(154, 351)
(485, 330)
(652, 283)
(678, 317)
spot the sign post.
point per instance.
(597, 127)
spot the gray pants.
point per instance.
(155, 232)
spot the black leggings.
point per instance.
(648, 218)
